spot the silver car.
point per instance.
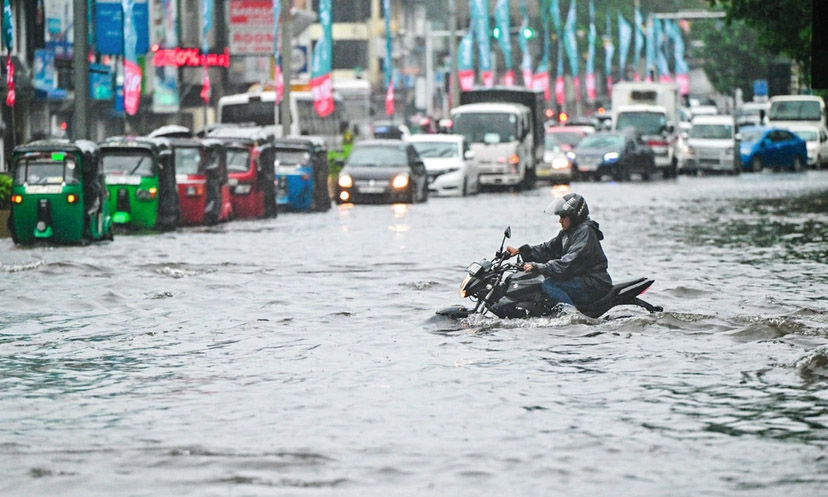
(448, 162)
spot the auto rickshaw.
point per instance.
(252, 189)
(140, 177)
(201, 176)
(58, 193)
(301, 164)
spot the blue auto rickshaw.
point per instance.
(301, 166)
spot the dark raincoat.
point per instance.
(573, 253)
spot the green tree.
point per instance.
(783, 26)
(731, 56)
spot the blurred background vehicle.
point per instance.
(752, 114)
(300, 166)
(569, 136)
(449, 163)
(712, 145)
(816, 142)
(619, 154)
(382, 171)
(777, 148)
(557, 166)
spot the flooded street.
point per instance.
(302, 356)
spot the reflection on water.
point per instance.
(303, 354)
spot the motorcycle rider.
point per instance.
(573, 262)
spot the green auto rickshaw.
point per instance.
(58, 193)
(140, 178)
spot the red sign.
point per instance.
(189, 57)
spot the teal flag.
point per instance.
(479, 12)
(8, 26)
(503, 23)
(570, 39)
(465, 62)
(321, 84)
(624, 39)
(526, 57)
(638, 30)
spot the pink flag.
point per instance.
(509, 78)
(466, 79)
(559, 90)
(389, 98)
(322, 90)
(279, 84)
(10, 97)
(488, 78)
(205, 86)
(132, 87)
(590, 87)
(541, 82)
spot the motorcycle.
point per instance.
(505, 290)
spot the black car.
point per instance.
(615, 153)
(382, 171)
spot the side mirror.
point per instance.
(468, 155)
(670, 128)
(508, 232)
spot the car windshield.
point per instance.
(752, 135)
(437, 149)
(45, 170)
(602, 141)
(645, 123)
(794, 110)
(188, 160)
(551, 143)
(128, 163)
(809, 135)
(378, 156)
(569, 137)
(238, 160)
(488, 127)
(288, 156)
(712, 131)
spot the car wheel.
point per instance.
(465, 191)
(756, 165)
(797, 164)
(425, 191)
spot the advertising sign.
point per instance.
(250, 26)
(59, 22)
(109, 26)
(45, 76)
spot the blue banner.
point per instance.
(639, 39)
(388, 67)
(526, 56)
(624, 39)
(479, 12)
(502, 20)
(590, 62)
(321, 84)
(570, 40)
(109, 32)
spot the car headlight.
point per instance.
(571, 155)
(400, 181)
(560, 163)
(611, 156)
(242, 189)
(345, 181)
(142, 194)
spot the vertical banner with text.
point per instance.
(321, 84)
(388, 66)
(8, 41)
(278, 80)
(132, 71)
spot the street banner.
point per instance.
(465, 62)
(639, 43)
(321, 85)
(590, 62)
(526, 56)
(663, 67)
(624, 39)
(389, 67)
(278, 79)
(132, 71)
(206, 24)
(541, 79)
(164, 34)
(108, 26)
(682, 70)
(503, 22)
(571, 46)
(609, 51)
(649, 60)
(479, 10)
(8, 41)
(555, 10)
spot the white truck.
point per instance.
(504, 130)
(652, 109)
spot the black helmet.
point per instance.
(570, 205)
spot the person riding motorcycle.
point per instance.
(573, 262)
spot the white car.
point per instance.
(448, 162)
(711, 145)
(557, 164)
(816, 142)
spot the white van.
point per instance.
(786, 110)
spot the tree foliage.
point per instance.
(730, 56)
(783, 26)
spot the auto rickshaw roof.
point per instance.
(86, 148)
(172, 131)
(143, 142)
(300, 141)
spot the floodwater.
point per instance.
(302, 356)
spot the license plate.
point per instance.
(371, 189)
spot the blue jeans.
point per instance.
(570, 292)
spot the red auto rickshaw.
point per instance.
(201, 175)
(252, 190)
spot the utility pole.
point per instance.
(286, 55)
(80, 73)
(453, 93)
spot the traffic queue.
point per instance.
(77, 192)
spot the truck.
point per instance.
(504, 129)
(652, 110)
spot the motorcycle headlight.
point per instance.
(400, 181)
(611, 156)
(345, 181)
(463, 289)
